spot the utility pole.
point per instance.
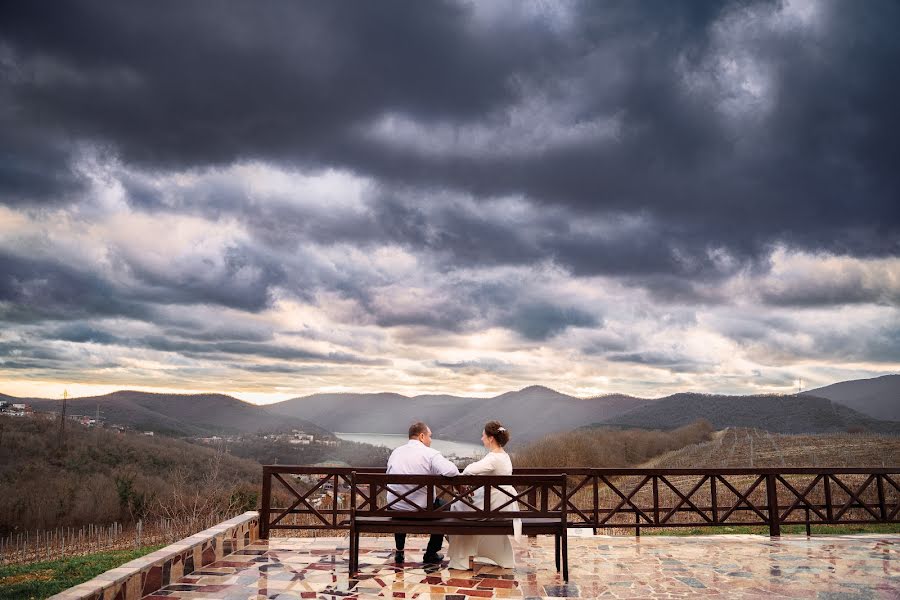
(62, 422)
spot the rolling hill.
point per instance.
(782, 414)
(534, 412)
(878, 397)
(104, 476)
(528, 413)
(178, 414)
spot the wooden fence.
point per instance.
(314, 498)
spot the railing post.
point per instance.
(713, 501)
(354, 540)
(655, 500)
(334, 499)
(565, 531)
(265, 503)
(882, 507)
(772, 498)
(829, 509)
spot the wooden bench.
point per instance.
(539, 499)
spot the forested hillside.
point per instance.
(179, 414)
(608, 448)
(100, 475)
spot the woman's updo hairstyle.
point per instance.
(496, 430)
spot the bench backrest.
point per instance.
(506, 496)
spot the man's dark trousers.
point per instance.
(434, 542)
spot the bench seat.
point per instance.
(453, 525)
(539, 504)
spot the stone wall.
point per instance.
(145, 575)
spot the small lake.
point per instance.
(393, 440)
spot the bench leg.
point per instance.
(556, 550)
(565, 556)
(353, 552)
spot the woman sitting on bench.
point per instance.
(494, 547)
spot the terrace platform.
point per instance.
(727, 566)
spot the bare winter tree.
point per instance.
(193, 503)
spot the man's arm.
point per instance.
(442, 466)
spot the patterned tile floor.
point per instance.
(727, 566)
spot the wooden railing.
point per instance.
(319, 498)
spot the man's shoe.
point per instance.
(433, 559)
(398, 557)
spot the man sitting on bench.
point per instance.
(417, 457)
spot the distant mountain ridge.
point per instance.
(775, 413)
(178, 414)
(528, 413)
(878, 397)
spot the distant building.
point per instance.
(16, 409)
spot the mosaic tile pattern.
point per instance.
(735, 566)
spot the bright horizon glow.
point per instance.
(53, 390)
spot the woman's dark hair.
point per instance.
(496, 430)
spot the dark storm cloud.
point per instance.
(214, 333)
(280, 368)
(221, 332)
(541, 321)
(34, 168)
(197, 349)
(23, 351)
(39, 289)
(446, 316)
(478, 366)
(83, 333)
(303, 82)
(242, 280)
(671, 362)
(830, 292)
(474, 305)
(173, 84)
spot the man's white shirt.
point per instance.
(415, 458)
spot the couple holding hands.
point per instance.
(417, 457)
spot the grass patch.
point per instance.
(785, 529)
(43, 579)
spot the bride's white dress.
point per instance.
(494, 547)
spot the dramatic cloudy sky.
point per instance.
(272, 199)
